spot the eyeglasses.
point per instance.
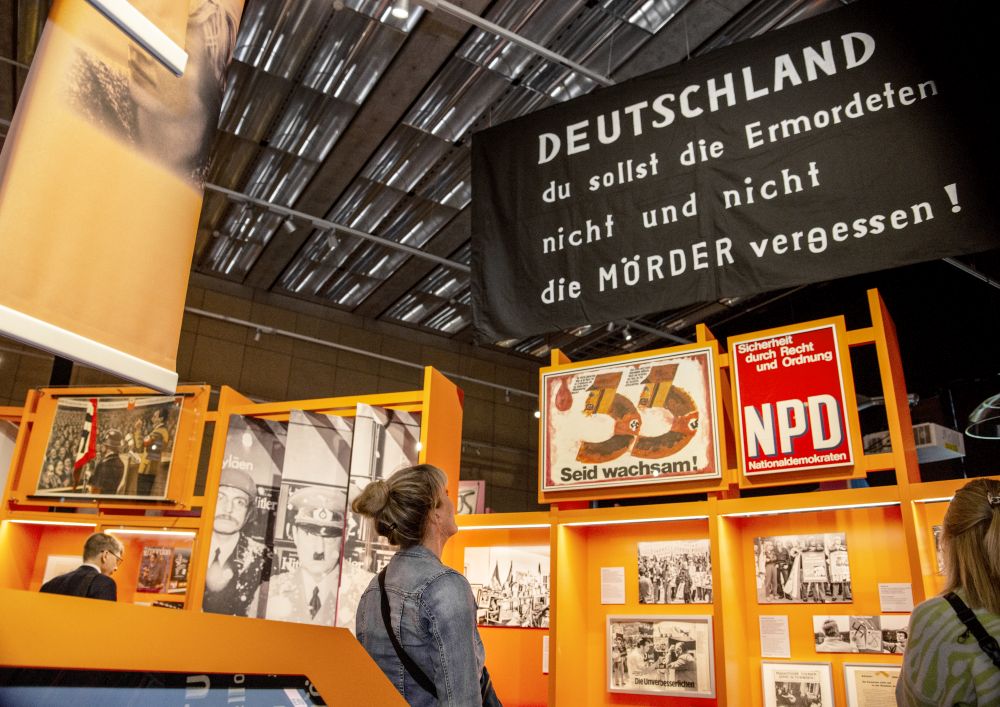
(118, 558)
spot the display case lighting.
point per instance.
(67, 523)
(811, 509)
(151, 531)
(511, 526)
(629, 521)
(936, 499)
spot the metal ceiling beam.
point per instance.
(484, 24)
(406, 277)
(426, 49)
(273, 331)
(323, 224)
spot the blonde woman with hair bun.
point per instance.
(952, 657)
(433, 655)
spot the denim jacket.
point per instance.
(433, 613)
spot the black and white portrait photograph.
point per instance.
(241, 544)
(309, 526)
(385, 441)
(110, 447)
(802, 569)
(661, 655)
(675, 572)
(797, 684)
(511, 585)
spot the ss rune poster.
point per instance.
(651, 419)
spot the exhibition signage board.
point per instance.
(640, 419)
(101, 186)
(847, 143)
(790, 393)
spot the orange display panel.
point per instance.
(581, 652)
(876, 550)
(139, 639)
(513, 655)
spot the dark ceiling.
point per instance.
(340, 112)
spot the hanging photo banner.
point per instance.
(101, 182)
(640, 421)
(793, 411)
(843, 144)
(309, 528)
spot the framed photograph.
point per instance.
(650, 419)
(118, 447)
(803, 569)
(154, 569)
(179, 564)
(799, 684)
(869, 685)
(471, 497)
(511, 585)
(661, 655)
(675, 572)
(888, 633)
(936, 531)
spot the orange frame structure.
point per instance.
(32, 528)
(889, 533)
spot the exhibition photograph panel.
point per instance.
(661, 655)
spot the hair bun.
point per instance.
(373, 499)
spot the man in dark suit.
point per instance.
(102, 554)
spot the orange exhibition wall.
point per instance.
(889, 532)
(513, 655)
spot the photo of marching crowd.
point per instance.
(511, 585)
(118, 447)
(675, 572)
(803, 569)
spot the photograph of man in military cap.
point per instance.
(110, 470)
(236, 562)
(307, 591)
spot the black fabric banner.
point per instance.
(855, 141)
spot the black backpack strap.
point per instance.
(989, 644)
(419, 675)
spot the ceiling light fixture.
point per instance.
(628, 334)
(401, 10)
